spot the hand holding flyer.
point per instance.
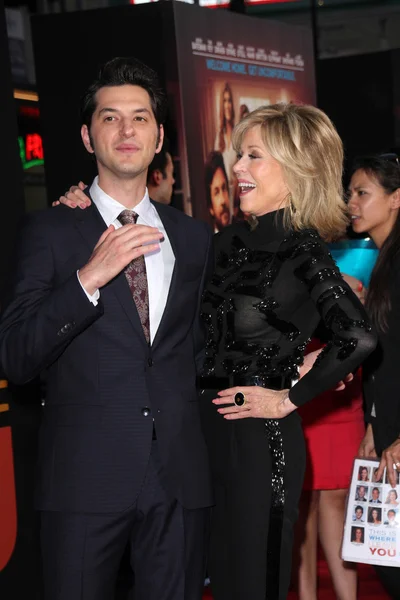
(372, 522)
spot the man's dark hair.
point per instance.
(160, 161)
(214, 162)
(377, 489)
(359, 508)
(125, 71)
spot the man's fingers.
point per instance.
(82, 185)
(105, 235)
(140, 251)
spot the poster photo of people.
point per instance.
(372, 523)
(229, 65)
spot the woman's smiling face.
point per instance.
(260, 178)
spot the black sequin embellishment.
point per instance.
(275, 442)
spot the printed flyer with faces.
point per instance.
(372, 522)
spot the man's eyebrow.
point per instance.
(115, 110)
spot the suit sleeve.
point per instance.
(198, 328)
(350, 336)
(43, 315)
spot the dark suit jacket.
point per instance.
(381, 373)
(101, 375)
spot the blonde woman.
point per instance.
(274, 282)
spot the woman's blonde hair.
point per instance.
(306, 144)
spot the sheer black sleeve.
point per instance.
(351, 337)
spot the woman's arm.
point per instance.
(351, 336)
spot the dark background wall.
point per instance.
(12, 194)
(63, 74)
(20, 577)
(357, 92)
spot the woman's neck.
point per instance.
(380, 234)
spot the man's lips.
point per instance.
(128, 148)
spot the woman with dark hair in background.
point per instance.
(374, 203)
(223, 140)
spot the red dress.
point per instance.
(333, 428)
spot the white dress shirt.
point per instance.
(159, 264)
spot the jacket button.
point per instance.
(146, 411)
(64, 329)
(150, 362)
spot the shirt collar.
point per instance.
(110, 208)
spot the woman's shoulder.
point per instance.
(305, 242)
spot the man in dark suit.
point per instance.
(108, 309)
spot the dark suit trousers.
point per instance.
(82, 552)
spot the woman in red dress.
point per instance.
(333, 428)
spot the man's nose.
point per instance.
(127, 128)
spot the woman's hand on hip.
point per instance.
(258, 402)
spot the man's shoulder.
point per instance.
(58, 215)
(182, 219)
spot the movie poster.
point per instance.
(230, 64)
(372, 524)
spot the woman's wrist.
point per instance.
(285, 405)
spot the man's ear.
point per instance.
(86, 139)
(160, 138)
(156, 177)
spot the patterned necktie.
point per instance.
(136, 276)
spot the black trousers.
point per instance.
(82, 552)
(251, 529)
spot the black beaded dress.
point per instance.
(270, 290)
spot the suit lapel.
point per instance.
(172, 229)
(91, 225)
